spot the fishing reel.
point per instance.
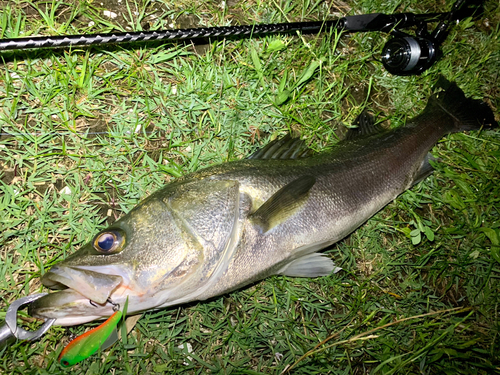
(405, 54)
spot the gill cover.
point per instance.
(207, 213)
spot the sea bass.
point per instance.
(229, 225)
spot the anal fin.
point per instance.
(310, 265)
(424, 170)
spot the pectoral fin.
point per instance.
(130, 323)
(283, 204)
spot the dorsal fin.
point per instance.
(283, 203)
(282, 148)
(365, 126)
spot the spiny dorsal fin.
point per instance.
(283, 203)
(365, 126)
(282, 148)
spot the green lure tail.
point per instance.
(87, 344)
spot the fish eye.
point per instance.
(109, 242)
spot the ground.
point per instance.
(87, 132)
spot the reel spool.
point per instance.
(408, 55)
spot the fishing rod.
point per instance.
(403, 54)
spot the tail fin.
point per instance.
(469, 114)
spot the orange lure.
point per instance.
(87, 344)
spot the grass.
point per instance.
(87, 133)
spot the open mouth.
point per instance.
(96, 286)
(85, 293)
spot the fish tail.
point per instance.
(467, 113)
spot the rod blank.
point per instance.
(359, 23)
(163, 35)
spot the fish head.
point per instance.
(161, 253)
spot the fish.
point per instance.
(224, 227)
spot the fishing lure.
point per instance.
(87, 344)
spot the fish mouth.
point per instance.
(85, 294)
(96, 286)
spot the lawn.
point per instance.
(86, 133)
